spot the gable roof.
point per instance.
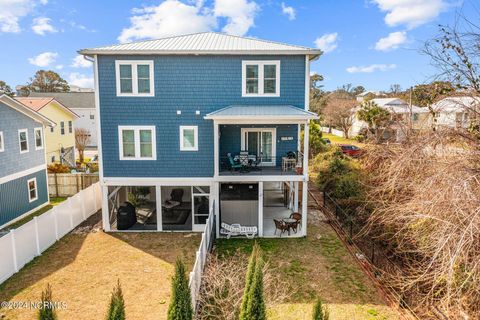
(203, 43)
(396, 105)
(14, 104)
(74, 100)
(261, 112)
(38, 104)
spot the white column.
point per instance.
(105, 214)
(295, 197)
(260, 208)
(215, 149)
(306, 138)
(216, 195)
(158, 197)
(304, 207)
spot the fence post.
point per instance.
(37, 236)
(55, 220)
(56, 183)
(14, 250)
(82, 197)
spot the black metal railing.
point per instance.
(264, 165)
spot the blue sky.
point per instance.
(374, 43)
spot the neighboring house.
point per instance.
(456, 112)
(23, 176)
(83, 104)
(402, 113)
(59, 141)
(366, 94)
(175, 115)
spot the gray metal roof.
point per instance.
(264, 112)
(203, 43)
(73, 100)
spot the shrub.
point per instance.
(58, 168)
(181, 305)
(116, 311)
(47, 311)
(320, 312)
(253, 303)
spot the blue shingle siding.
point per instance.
(230, 139)
(185, 83)
(11, 159)
(14, 199)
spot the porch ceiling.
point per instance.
(255, 113)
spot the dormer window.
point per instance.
(134, 78)
(261, 78)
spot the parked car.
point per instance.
(350, 150)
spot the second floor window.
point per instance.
(23, 140)
(70, 127)
(260, 78)
(137, 143)
(2, 143)
(188, 138)
(62, 128)
(38, 139)
(134, 78)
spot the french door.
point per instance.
(260, 142)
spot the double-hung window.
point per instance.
(70, 127)
(260, 78)
(134, 78)
(32, 189)
(23, 140)
(38, 138)
(188, 138)
(2, 142)
(137, 142)
(62, 128)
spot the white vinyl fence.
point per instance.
(21, 245)
(335, 132)
(208, 236)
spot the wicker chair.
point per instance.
(297, 216)
(280, 225)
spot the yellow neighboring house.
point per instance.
(60, 140)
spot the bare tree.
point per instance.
(339, 113)
(82, 139)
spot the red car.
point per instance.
(350, 150)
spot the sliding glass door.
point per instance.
(261, 143)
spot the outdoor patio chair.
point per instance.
(236, 229)
(297, 216)
(280, 225)
(233, 165)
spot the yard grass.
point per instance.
(84, 266)
(318, 265)
(339, 140)
(53, 202)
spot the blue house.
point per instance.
(23, 170)
(203, 122)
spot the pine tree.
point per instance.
(181, 305)
(320, 312)
(253, 303)
(248, 282)
(116, 311)
(47, 311)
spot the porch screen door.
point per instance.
(200, 207)
(260, 142)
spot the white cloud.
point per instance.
(43, 59)
(42, 25)
(411, 13)
(13, 10)
(288, 11)
(59, 67)
(240, 15)
(80, 80)
(169, 18)
(327, 42)
(392, 41)
(80, 62)
(371, 68)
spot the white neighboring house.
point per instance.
(361, 97)
(83, 104)
(401, 111)
(455, 112)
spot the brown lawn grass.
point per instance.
(83, 268)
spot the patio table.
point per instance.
(290, 223)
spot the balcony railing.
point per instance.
(243, 164)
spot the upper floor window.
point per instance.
(134, 78)
(188, 138)
(261, 78)
(62, 127)
(23, 140)
(137, 142)
(2, 143)
(32, 189)
(38, 138)
(70, 127)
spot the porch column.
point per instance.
(306, 138)
(295, 197)
(105, 210)
(304, 207)
(260, 208)
(215, 149)
(216, 197)
(158, 194)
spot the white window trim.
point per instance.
(20, 142)
(136, 135)
(35, 138)
(36, 189)
(134, 64)
(2, 145)
(244, 142)
(195, 132)
(260, 64)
